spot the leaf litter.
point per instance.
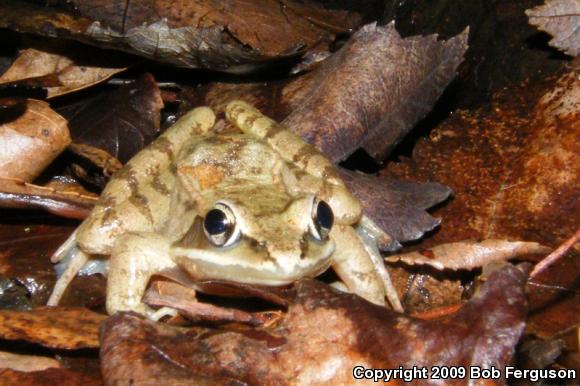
(344, 325)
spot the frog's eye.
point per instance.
(322, 220)
(220, 227)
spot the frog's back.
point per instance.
(230, 157)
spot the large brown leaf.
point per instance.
(30, 140)
(236, 36)
(28, 239)
(561, 19)
(513, 167)
(515, 173)
(323, 336)
(373, 91)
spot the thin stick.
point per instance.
(556, 254)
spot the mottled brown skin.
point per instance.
(148, 219)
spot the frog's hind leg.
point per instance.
(73, 260)
(135, 258)
(319, 175)
(289, 145)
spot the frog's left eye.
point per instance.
(322, 220)
(220, 227)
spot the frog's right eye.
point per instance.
(220, 227)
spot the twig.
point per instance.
(555, 255)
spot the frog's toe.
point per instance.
(66, 248)
(69, 267)
(162, 312)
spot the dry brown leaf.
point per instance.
(561, 19)
(469, 254)
(397, 207)
(373, 91)
(31, 141)
(15, 193)
(324, 334)
(26, 363)
(235, 36)
(56, 327)
(63, 74)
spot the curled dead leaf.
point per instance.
(58, 70)
(31, 141)
(15, 193)
(469, 254)
(370, 93)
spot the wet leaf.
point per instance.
(56, 327)
(469, 254)
(31, 141)
(561, 19)
(323, 336)
(28, 239)
(16, 193)
(121, 122)
(26, 363)
(60, 70)
(237, 36)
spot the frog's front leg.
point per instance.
(351, 262)
(361, 267)
(135, 258)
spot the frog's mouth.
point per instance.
(246, 264)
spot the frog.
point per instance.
(255, 205)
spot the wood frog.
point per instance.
(257, 206)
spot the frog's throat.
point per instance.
(206, 264)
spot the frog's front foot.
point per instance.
(135, 258)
